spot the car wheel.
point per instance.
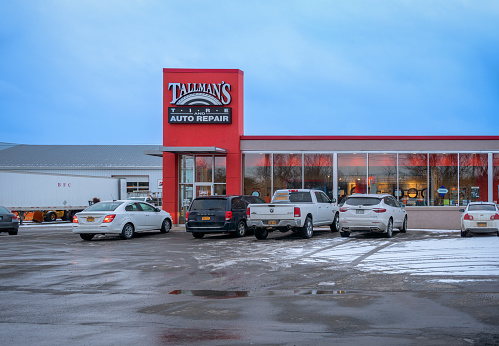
(86, 236)
(127, 232)
(389, 229)
(345, 234)
(13, 232)
(404, 226)
(241, 229)
(51, 216)
(308, 229)
(198, 235)
(261, 234)
(166, 226)
(335, 226)
(464, 234)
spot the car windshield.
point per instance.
(477, 207)
(4, 210)
(362, 201)
(208, 204)
(104, 206)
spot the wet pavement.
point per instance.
(422, 287)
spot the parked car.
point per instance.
(296, 210)
(479, 217)
(219, 214)
(149, 200)
(123, 217)
(9, 222)
(373, 213)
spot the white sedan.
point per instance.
(479, 217)
(372, 213)
(120, 217)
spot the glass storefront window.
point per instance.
(287, 171)
(413, 179)
(352, 174)
(495, 178)
(185, 199)
(443, 179)
(204, 169)
(257, 175)
(220, 169)
(473, 178)
(382, 174)
(187, 169)
(318, 172)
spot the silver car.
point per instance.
(124, 218)
(479, 217)
(372, 213)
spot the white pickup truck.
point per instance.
(293, 210)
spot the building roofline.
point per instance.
(370, 138)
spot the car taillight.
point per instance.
(14, 217)
(75, 219)
(468, 217)
(228, 215)
(343, 209)
(109, 218)
(297, 212)
(187, 215)
(495, 217)
(248, 213)
(379, 210)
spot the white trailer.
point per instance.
(55, 195)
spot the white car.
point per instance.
(479, 217)
(372, 213)
(124, 217)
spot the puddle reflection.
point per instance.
(241, 294)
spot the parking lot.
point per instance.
(423, 287)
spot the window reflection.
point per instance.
(204, 168)
(473, 178)
(382, 173)
(287, 171)
(443, 179)
(352, 173)
(413, 179)
(318, 172)
(257, 175)
(495, 180)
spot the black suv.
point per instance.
(219, 214)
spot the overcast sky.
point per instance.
(90, 72)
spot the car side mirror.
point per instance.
(157, 210)
(461, 210)
(333, 200)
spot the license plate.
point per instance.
(205, 218)
(482, 224)
(272, 222)
(90, 219)
(359, 211)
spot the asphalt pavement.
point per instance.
(423, 287)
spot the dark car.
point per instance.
(8, 222)
(219, 214)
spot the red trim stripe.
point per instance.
(371, 138)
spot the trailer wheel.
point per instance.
(51, 216)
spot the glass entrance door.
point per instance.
(203, 189)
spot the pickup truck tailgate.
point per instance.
(271, 211)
